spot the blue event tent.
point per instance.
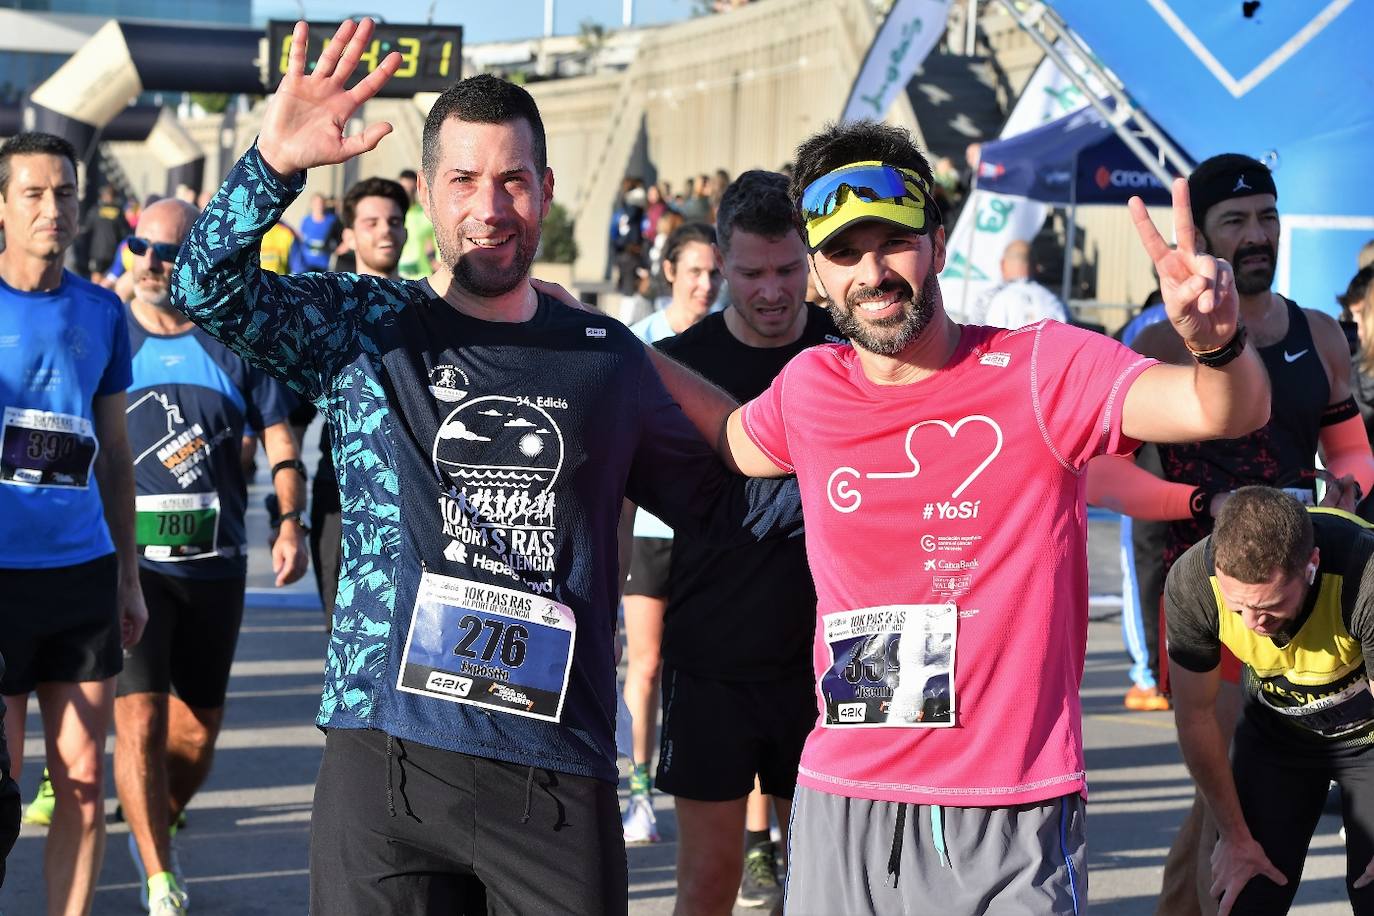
(1289, 82)
(1043, 163)
(1078, 159)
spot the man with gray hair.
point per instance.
(738, 697)
(190, 404)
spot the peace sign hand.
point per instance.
(305, 119)
(1199, 290)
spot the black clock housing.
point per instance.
(431, 55)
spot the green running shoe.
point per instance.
(39, 810)
(166, 898)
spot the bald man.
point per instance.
(1018, 300)
(190, 404)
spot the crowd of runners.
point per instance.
(846, 535)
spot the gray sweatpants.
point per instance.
(851, 856)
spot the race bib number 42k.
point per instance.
(891, 666)
(484, 645)
(39, 448)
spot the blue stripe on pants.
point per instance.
(1132, 620)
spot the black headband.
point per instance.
(1224, 177)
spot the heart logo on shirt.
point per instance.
(844, 497)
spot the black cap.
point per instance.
(1224, 177)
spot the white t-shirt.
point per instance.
(1017, 303)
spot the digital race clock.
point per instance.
(431, 55)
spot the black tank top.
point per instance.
(1281, 453)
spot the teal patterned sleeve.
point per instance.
(301, 328)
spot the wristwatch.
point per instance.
(1220, 356)
(295, 516)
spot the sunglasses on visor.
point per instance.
(869, 183)
(166, 251)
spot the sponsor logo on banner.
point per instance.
(984, 229)
(906, 37)
(1124, 178)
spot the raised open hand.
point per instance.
(1199, 290)
(305, 119)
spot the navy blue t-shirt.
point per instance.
(190, 403)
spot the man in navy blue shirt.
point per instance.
(190, 403)
(70, 599)
(485, 436)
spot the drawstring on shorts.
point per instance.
(894, 858)
(937, 833)
(390, 797)
(529, 793)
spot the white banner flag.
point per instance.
(990, 222)
(911, 29)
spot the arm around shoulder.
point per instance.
(744, 453)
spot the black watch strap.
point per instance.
(293, 464)
(294, 516)
(1227, 352)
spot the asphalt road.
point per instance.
(245, 850)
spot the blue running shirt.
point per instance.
(58, 351)
(190, 403)
(318, 238)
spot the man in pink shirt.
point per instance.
(941, 472)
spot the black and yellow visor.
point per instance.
(869, 190)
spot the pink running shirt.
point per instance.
(963, 488)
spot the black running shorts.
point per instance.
(717, 735)
(60, 625)
(650, 559)
(188, 645)
(326, 549)
(399, 827)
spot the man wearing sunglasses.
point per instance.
(190, 404)
(941, 477)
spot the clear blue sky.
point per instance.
(482, 20)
